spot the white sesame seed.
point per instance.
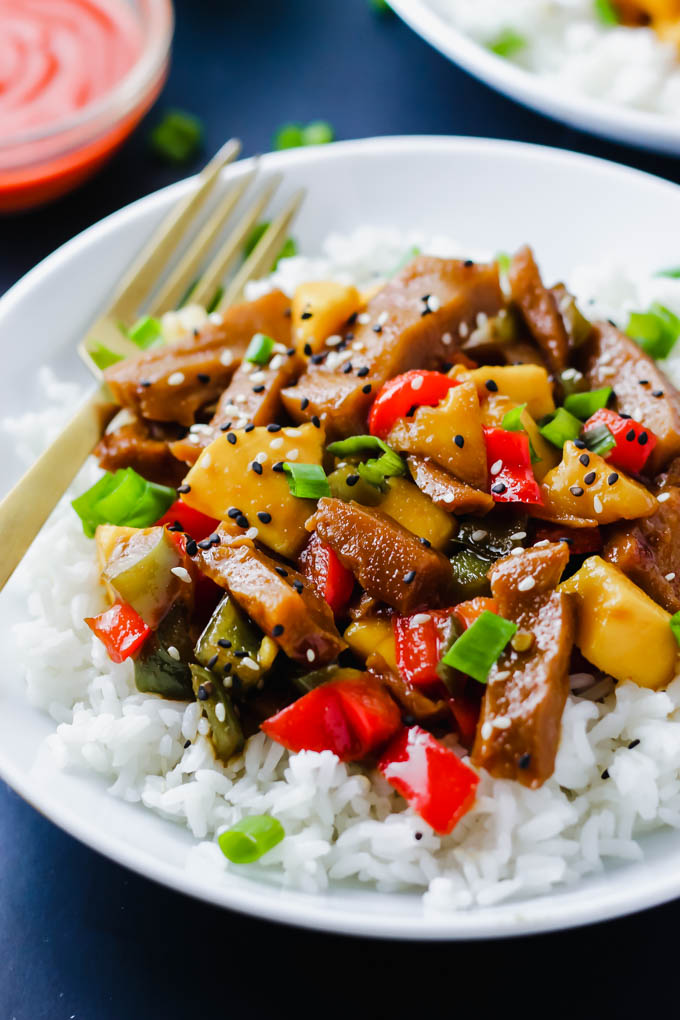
(292, 455)
(182, 573)
(227, 681)
(479, 535)
(291, 433)
(542, 544)
(240, 398)
(518, 536)
(671, 576)
(363, 319)
(279, 348)
(487, 730)
(447, 339)
(463, 330)
(311, 655)
(496, 467)
(194, 439)
(482, 320)
(215, 318)
(176, 379)
(220, 711)
(526, 584)
(662, 497)
(258, 377)
(358, 345)
(433, 303)
(333, 341)
(277, 443)
(206, 460)
(173, 653)
(249, 663)
(517, 552)
(597, 505)
(382, 318)
(252, 533)
(247, 367)
(226, 357)
(569, 373)
(200, 427)
(204, 727)
(261, 457)
(419, 619)
(502, 674)
(417, 382)
(502, 722)
(276, 362)
(449, 497)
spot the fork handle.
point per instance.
(27, 506)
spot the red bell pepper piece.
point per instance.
(350, 717)
(420, 642)
(120, 629)
(468, 612)
(434, 781)
(581, 540)
(511, 478)
(466, 712)
(634, 442)
(196, 524)
(397, 396)
(330, 579)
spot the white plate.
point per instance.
(492, 195)
(622, 124)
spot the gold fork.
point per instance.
(142, 289)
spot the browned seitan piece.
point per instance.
(539, 309)
(445, 490)
(141, 446)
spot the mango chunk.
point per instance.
(619, 628)
(223, 477)
(411, 508)
(372, 635)
(320, 309)
(525, 384)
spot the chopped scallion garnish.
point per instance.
(250, 838)
(599, 440)
(178, 137)
(560, 427)
(606, 12)
(672, 273)
(213, 304)
(675, 626)
(375, 470)
(508, 43)
(307, 481)
(259, 349)
(480, 646)
(146, 332)
(583, 405)
(294, 135)
(103, 357)
(123, 498)
(655, 330)
(512, 422)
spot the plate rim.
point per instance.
(538, 915)
(636, 128)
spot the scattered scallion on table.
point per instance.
(251, 838)
(480, 646)
(671, 273)
(294, 135)
(178, 136)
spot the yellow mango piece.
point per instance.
(525, 384)
(223, 477)
(372, 635)
(106, 538)
(619, 628)
(431, 433)
(405, 503)
(581, 488)
(320, 309)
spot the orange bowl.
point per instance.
(42, 163)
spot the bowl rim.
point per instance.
(639, 128)
(159, 21)
(245, 895)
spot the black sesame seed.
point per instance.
(524, 760)
(459, 441)
(447, 366)
(214, 538)
(316, 421)
(242, 521)
(264, 516)
(363, 371)
(224, 642)
(257, 468)
(227, 668)
(203, 377)
(290, 352)
(643, 439)
(491, 386)
(590, 478)
(377, 328)
(408, 720)
(585, 459)
(273, 428)
(304, 403)
(225, 427)
(622, 414)
(367, 388)
(277, 630)
(145, 383)
(278, 466)
(175, 526)
(425, 542)
(630, 435)
(613, 477)
(231, 438)
(258, 389)
(212, 660)
(657, 393)
(352, 319)
(204, 543)
(196, 332)
(579, 444)
(183, 488)
(299, 586)
(203, 695)
(316, 359)
(233, 511)
(643, 382)
(187, 743)
(352, 479)
(576, 490)
(191, 547)
(499, 488)
(409, 576)
(281, 571)
(288, 312)
(468, 263)
(306, 315)
(347, 368)
(249, 427)
(307, 349)
(240, 654)
(633, 743)
(417, 835)
(605, 774)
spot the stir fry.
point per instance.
(390, 525)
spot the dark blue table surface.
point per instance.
(84, 939)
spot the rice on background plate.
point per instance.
(567, 44)
(617, 774)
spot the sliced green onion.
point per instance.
(123, 498)
(672, 273)
(480, 645)
(512, 422)
(288, 136)
(675, 626)
(560, 427)
(215, 300)
(508, 43)
(407, 257)
(146, 332)
(103, 357)
(655, 330)
(318, 132)
(355, 446)
(583, 405)
(375, 470)
(307, 481)
(251, 838)
(572, 381)
(178, 137)
(503, 260)
(605, 12)
(289, 248)
(599, 440)
(259, 349)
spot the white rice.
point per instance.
(568, 46)
(340, 823)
